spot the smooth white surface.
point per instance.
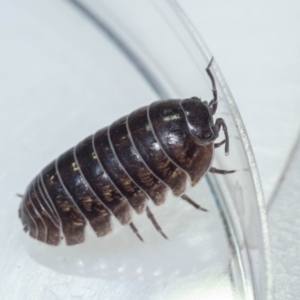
(37, 63)
(284, 233)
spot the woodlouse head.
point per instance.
(199, 117)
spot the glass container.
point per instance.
(141, 51)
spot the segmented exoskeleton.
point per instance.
(135, 159)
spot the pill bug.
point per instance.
(137, 158)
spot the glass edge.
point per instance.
(246, 143)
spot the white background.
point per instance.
(257, 47)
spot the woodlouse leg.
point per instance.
(154, 222)
(189, 200)
(221, 123)
(223, 172)
(217, 145)
(213, 104)
(134, 229)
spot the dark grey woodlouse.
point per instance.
(136, 158)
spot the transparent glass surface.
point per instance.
(220, 254)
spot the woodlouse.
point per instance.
(138, 157)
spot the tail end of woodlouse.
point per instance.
(22, 218)
(19, 210)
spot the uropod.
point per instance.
(137, 158)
